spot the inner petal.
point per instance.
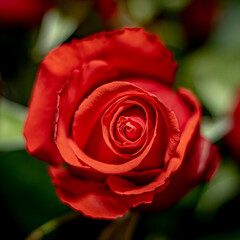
(130, 124)
(129, 128)
(106, 101)
(127, 125)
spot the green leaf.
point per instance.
(12, 117)
(213, 75)
(58, 25)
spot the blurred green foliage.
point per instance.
(210, 69)
(11, 125)
(27, 191)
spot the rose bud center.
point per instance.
(129, 128)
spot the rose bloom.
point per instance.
(103, 114)
(232, 139)
(23, 12)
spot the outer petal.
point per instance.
(93, 199)
(168, 96)
(134, 52)
(190, 132)
(205, 163)
(196, 159)
(122, 186)
(199, 166)
(39, 126)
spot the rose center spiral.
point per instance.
(129, 128)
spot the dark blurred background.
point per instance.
(204, 36)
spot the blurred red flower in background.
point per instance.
(199, 19)
(105, 8)
(233, 137)
(25, 13)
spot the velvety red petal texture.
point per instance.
(199, 166)
(165, 94)
(190, 132)
(40, 123)
(103, 111)
(122, 186)
(90, 110)
(93, 199)
(132, 51)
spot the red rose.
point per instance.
(23, 12)
(103, 112)
(232, 139)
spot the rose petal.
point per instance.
(191, 130)
(109, 120)
(93, 199)
(231, 140)
(167, 136)
(139, 53)
(39, 126)
(100, 98)
(204, 161)
(167, 96)
(122, 186)
(199, 166)
(140, 178)
(79, 83)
